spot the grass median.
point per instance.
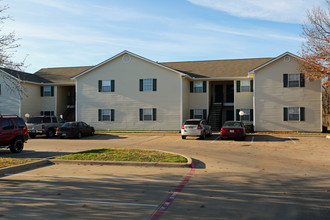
(8, 162)
(125, 154)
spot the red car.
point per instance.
(233, 129)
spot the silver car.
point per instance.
(195, 127)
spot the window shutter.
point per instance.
(238, 117)
(141, 85)
(154, 85)
(141, 114)
(191, 113)
(191, 87)
(285, 114)
(112, 85)
(112, 115)
(302, 113)
(204, 114)
(154, 114)
(251, 114)
(238, 86)
(251, 85)
(52, 91)
(100, 85)
(302, 80)
(204, 86)
(100, 114)
(41, 91)
(285, 80)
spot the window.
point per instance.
(7, 124)
(106, 114)
(47, 91)
(198, 114)
(106, 85)
(294, 80)
(47, 113)
(19, 122)
(148, 84)
(294, 114)
(148, 114)
(248, 115)
(198, 87)
(244, 86)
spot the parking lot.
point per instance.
(263, 177)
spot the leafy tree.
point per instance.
(316, 49)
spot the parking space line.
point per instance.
(252, 139)
(216, 139)
(104, 177)
(76, 201)
(292, 140)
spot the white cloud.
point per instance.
(289, 11)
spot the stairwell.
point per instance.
(215, 117)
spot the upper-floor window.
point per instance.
(47, 91)
(293, 80)
(148, 84)
(244, 86)
(294, 114)
(198, 86)
(106, 85)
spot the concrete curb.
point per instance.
(23, 167)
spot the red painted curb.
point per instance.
(162, 209)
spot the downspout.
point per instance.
(76, 102)
(20, 100)
(254, 103)
(181, 101)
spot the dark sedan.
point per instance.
(233, 129)
(75, 130)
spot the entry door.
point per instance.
(229, 115)
(218, 94)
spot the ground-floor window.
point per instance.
(198, 114)
(294, 113)
(47, 113)
(246, 116)
(106, 114)
(148, 114)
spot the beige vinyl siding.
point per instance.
(31, 101)
(271, 98)
(126, 100)
(242, 100)
(186, 99)
(9, 100)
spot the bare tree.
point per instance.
(8, 46)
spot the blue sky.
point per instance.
(60, 33)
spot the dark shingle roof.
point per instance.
(61, 74)
(217, 68)
(25, 76)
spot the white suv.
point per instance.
(195, 127)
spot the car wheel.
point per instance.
(17, 145)
(79, 135)
(32, 135)
(203, 136)
(92, 133)
(50, 133)
(183, 137)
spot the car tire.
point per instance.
(17, 145)
(203, 136)
(50, 133)
(92, 133)
(183, 137)
(79, 135)
(32, 135)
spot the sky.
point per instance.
(67, 33)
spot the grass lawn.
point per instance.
(8, 162)
(124, 154)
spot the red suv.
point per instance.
(13, 133)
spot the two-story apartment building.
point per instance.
(130, 92)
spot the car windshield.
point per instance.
(192, 122)
(35, 120)
(69, 124)
(232, 124)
